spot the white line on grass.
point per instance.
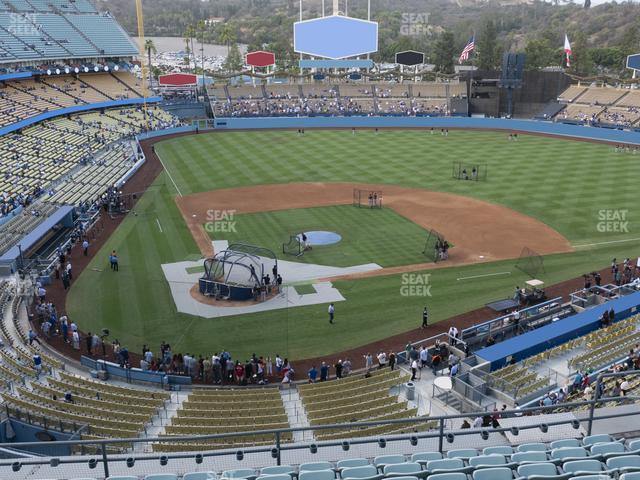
(170, 177)
(607, 243)
(485, 275)
(159, 226)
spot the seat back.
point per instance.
(499, 449)
(565, 442)
(532, 447)
(388, 459)
(626, 476)
(529, 469)
(498, 473)
(407, 467)
(161, 476)
(569, 452)
(600, 438)
(462, 453)
(634, 444)
(359, 472)
(611, 447)
(425, 456)
(199, 476)
(445, 464)
(625, 461)
(276, 476)
(352, 462)
(451, 476)
(495, 459)
(520, 457)
(317, 475)
(582, 466)
(277, 469)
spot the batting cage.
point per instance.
(436, 248)
(474, 172)
(239, 273)
(367, 198)
(294, 246)
(530, 262)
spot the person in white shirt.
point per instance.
(453, 334)
(414, 369)
(382, 360)
(477, 422)
(331, 311)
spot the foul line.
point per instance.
(170, 177)
(485, 275)
(159, 226)
(607, 243)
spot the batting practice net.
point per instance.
(436, 248)
(530, 262)
(367, 198)
(474, 172)
(293, 247)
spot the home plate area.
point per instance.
(182, 276)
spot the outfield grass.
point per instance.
(368, 235)
(563, 183)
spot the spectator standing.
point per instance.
(312, 374)
(425, 317)
(85, 247)
(324, 372)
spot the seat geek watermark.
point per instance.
(613, 220)
(414, 24)
(415, 285)
(220, 221)
(23, 25)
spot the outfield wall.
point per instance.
(529, 126)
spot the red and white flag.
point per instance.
(567, 49)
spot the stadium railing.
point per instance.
(528, 420)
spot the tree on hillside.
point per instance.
(150, 48)
(187, 52)
(581, 62)
(540, 54)
(190, 34)
(488, 49)
(233, 62)
(228, 35)
(444, 52)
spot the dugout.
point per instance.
(467, 171)
(238, 272)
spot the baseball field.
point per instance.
(570, 200)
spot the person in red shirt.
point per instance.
(239, 373)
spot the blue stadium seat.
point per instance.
(284, 476)
(625, 462)
(450, 476)
(575, 466)
(537, 469)
(367, 471)
(397, 469)
(499, 473)
(482, 460)
(245, 473)
(277, 469)
(605, 448)
(351, 462)
(445, 464)
(424, 457)
(310, 466)
(627, 476)
(568, 452)
(566, 442)
(499, 449)
(634, 444)
(462, 453)
(520, 457)
(592, 439)
(532, 447)
(199, 476)
(592, 477)
(126, 477)
(405, 478)
(161, 476)
(315, 475)
(383, 460)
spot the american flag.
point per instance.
(466, 51)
